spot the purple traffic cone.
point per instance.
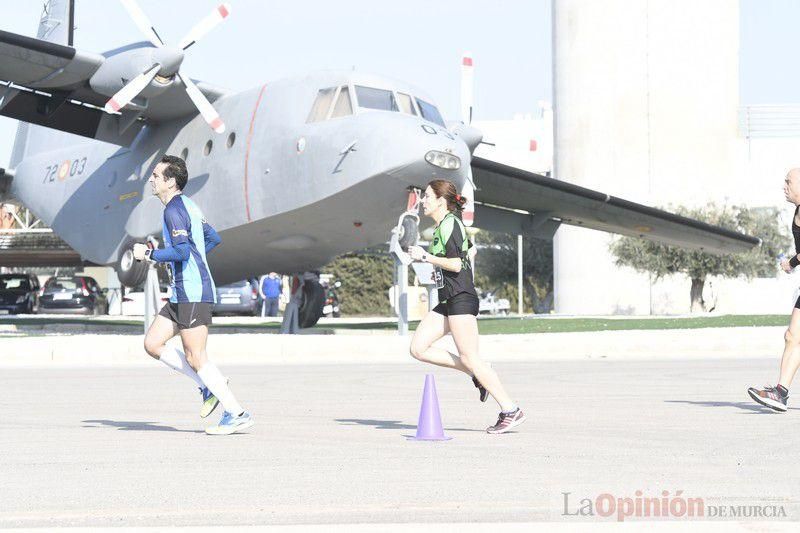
(429, 426)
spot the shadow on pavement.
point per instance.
(753, 407)
(390, 424)
(137, 426)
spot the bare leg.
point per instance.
(160, 331)
(791, 355)
(432, 328)
(465, 333)
(194, 344)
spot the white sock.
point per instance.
(176, 360)
(218, 386)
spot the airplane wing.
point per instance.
(553, 201)
(42, 64)
(48, 84)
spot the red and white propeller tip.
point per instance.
(133, 88)
(203, 105)
(211, 21)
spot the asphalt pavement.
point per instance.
(124, 446)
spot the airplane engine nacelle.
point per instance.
(119, 69)
(471, 135)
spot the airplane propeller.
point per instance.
(467, 85)
(471, 135)
(167, 62)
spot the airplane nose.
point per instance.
(445, 160)
(471, 135)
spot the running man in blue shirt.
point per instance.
(187, 240)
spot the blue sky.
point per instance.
(416, 40)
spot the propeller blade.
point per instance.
(142, 21)
(466, 88)
(206, 25)
(468, 192)
(133, 88)
(203, 105)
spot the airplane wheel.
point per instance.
(409, 231)
(313, 301)
(130, 272)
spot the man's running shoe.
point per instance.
(483, 393)
(210, 402)
(507, 421)
(231, 424)
(769, 397)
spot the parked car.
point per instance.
(19, 293)
(73, 295)
(133, 301)
(240, 298)
(492, 305)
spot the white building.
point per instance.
(647, 108)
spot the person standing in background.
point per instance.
(271, 291)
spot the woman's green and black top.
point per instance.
(450, 240)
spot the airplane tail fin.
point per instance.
(56, 25)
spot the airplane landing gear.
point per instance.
(407, 229)
(305, 303)
(405, 234)
(130, 272)
(313, 302)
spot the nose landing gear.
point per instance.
(405, 234)
(407, 229)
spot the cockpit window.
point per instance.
(406, 104)
(376, 99)
(342, 107)
(324, 104)
(429, 112)
(319, 111)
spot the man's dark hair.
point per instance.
(176, 168)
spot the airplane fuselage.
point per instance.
(285, 193)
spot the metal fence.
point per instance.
(769, 121)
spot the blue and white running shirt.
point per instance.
(191, 279)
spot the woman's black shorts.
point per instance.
(462, 303)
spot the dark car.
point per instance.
(19, 293)
(73, 294)
(239, 298)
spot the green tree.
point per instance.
(366, 277)
(662, 260)
(496, 269)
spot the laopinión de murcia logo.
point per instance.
(665, 506)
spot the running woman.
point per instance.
(187, 240)
(458, 303)
(776, 397)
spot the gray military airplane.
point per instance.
(292, 173)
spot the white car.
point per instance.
(133, 301)
(493, 306)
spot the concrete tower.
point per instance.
(645, 97)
